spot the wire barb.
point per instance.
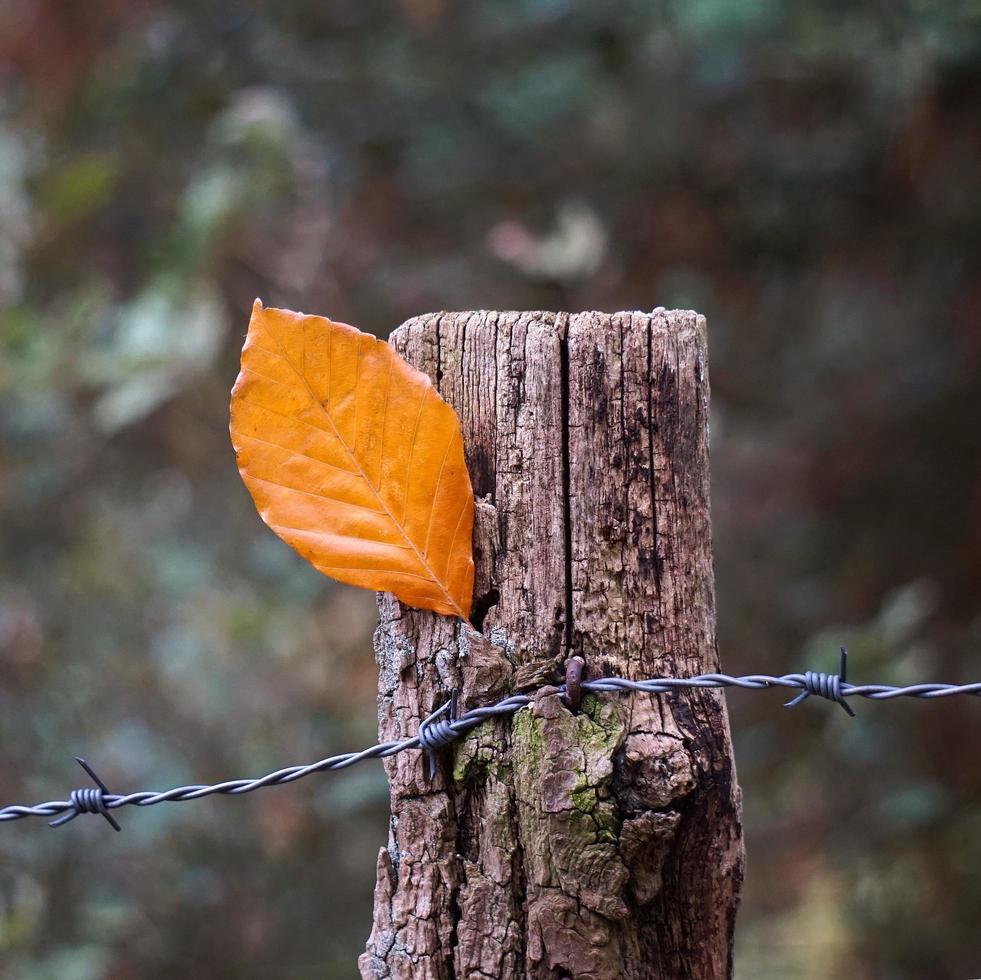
(437, 730)
(828, 686)
(88, 800)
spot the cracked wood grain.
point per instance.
(607, 843)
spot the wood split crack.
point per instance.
(562, 326)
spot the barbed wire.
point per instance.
(444, 726)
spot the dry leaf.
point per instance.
(354, 460)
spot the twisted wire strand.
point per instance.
(438, 730)
(758, 682)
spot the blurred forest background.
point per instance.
(806, 174)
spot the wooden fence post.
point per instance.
(607, 843)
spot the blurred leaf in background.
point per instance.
(808, 176)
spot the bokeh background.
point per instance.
(806, 174)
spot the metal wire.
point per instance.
(444, 726)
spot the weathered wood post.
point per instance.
(602, 844)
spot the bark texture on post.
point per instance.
(602, 844)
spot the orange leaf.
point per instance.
(354, 460)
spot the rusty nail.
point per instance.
(575, 667)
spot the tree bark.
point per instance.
(600, 844)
